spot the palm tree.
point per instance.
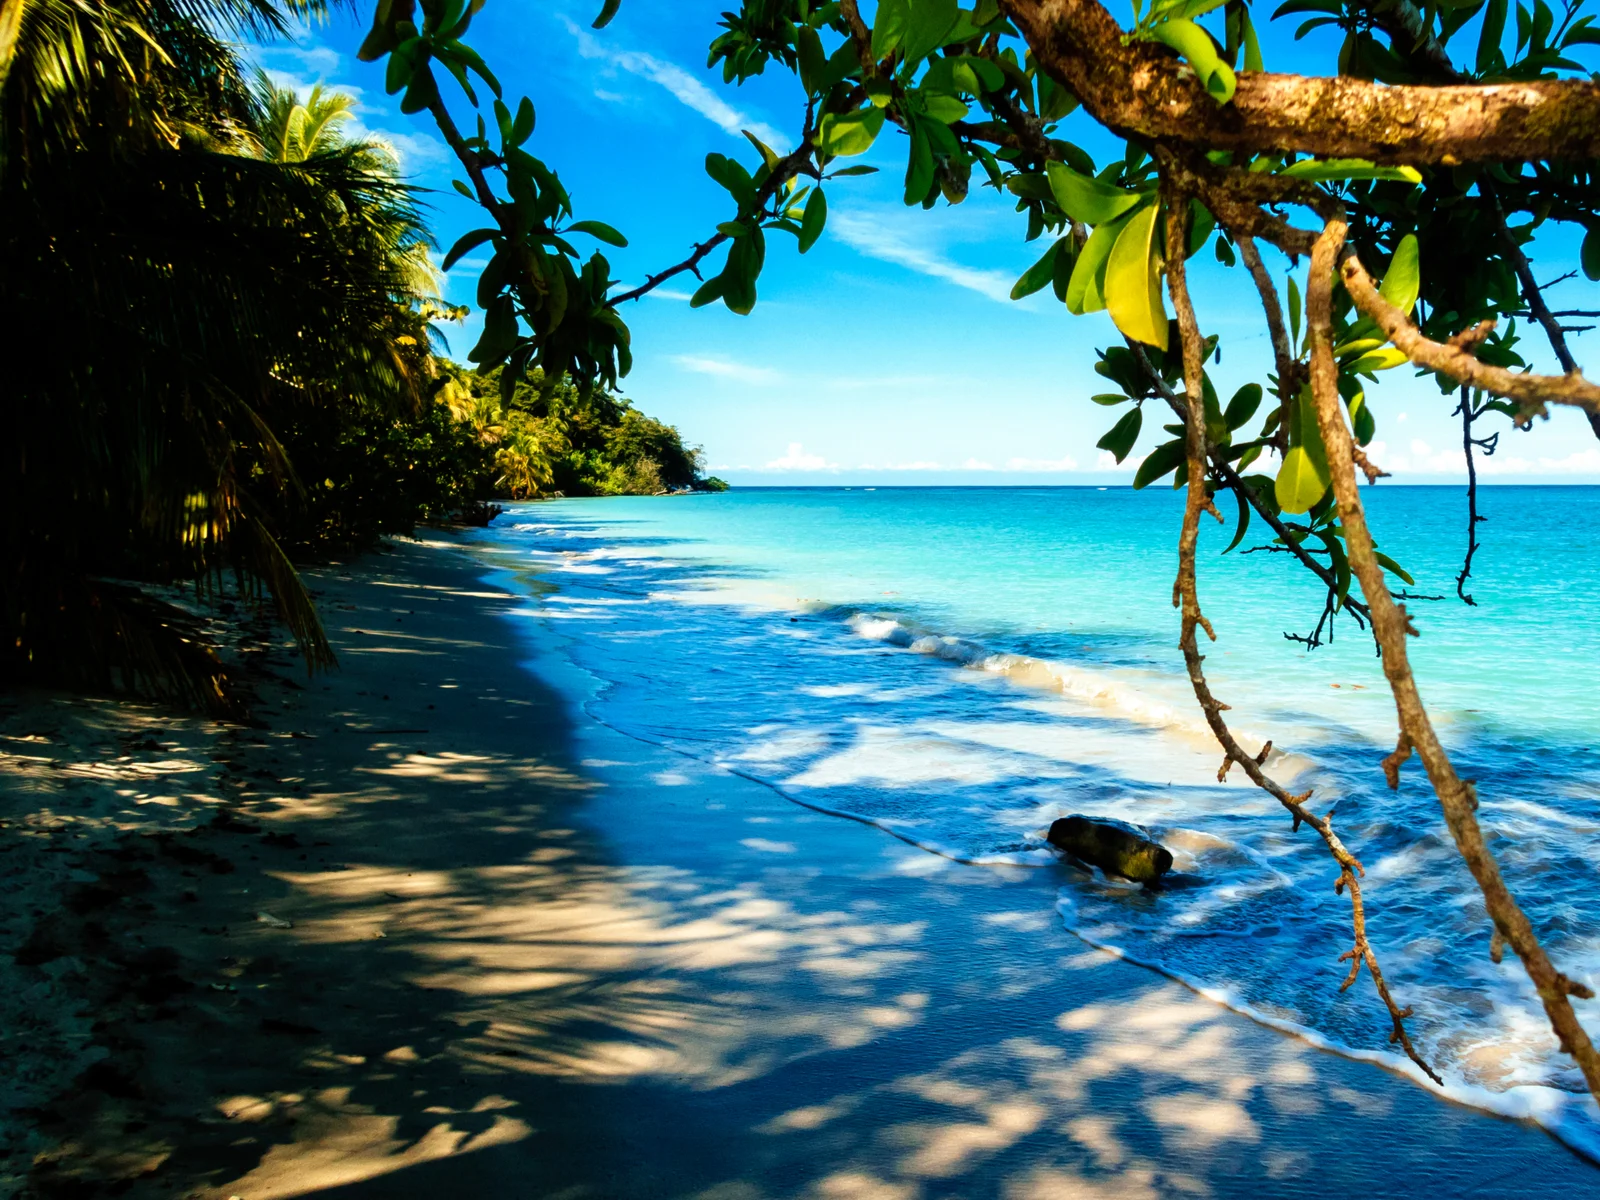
(203, 297)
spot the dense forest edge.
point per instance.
(258, 373)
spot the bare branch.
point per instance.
(1391, 625)
(1288, 368)
(1186, 594)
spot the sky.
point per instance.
(890, 353)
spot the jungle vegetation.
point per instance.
(236, 349)
(1462, 123)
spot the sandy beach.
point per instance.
(430, 931)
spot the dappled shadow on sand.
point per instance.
(727, 997)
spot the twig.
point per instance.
(1468, 416)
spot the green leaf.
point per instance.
(1389, 564)
(1494, 28)
(1133, 280)
(844, 134)
(1200, 52)
(1300, 482)
(1120, 437)
(919, 164)
(598, 229)
(1331, 169)
(1038, 275)
(1294, 311)
(927, 23)
(768, 154)
(733, 177)
(858, 169)
(1201, 223)
(1252, 45)
(1087, 200)
(466, 242)
(1361, 419)
(1590, 254)
(402, 62)
(1085, 290)
(1244, 518)
(889, 27)
(474, 60)
(1243, 406)
(813, 60)
(1109, 398)
(607, 11)
(1165, 457)
(1403, 280)
(946, 109)
(499, 333)
(814, 218)
(1378, 360)
(463, 189)
(707, 292)
(522, 128)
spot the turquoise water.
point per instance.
(961, 666)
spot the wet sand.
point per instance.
(531, 957)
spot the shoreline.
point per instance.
(544, 958)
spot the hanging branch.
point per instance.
(1392, 626)
(1469, 414)
(1186, 597)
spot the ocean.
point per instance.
(960, 666)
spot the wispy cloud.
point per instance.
(723, 368)
(879, 239)
(796, 459)
(684, 87)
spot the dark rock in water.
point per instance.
(1115, 848)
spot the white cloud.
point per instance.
(798, 460)
(1108, 462)
(1065, 463)
(877, 239)
(684, 87)
(722, 368)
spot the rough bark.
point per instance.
(1143, 90)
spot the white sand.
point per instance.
(536, 958)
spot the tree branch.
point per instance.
(1288, 367)
(1186, 593)
(1455, 359)
(1391, 625)
(1139, 89)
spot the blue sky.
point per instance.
(889, 353)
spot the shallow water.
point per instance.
(961, 666)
